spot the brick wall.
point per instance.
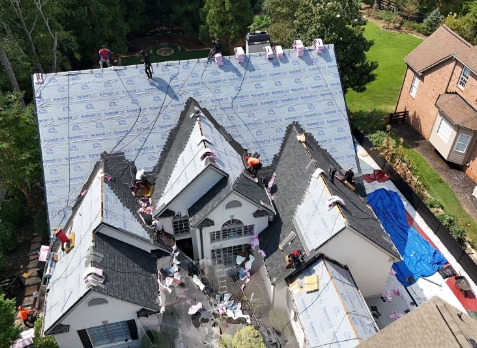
(422, 110)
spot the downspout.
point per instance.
(201, 244)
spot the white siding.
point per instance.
(83, 317)
(127, 238)
(369, 264)
(220, 215)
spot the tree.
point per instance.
(248, 337)
(465, 24)
(9, 332)
(338, 22)
(42, 342)
(20, 163)
(282, 14)
(408, 7)
(226, 19)
(8, 68)
(261, 22)
(432, 22)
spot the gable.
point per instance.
(82, 114)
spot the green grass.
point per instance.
(389, 50)
(438, 189)
(183, 55)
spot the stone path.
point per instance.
(32, 283)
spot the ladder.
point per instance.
(221, 277)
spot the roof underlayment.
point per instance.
(336, 315)
(84, 113)
(66, 286)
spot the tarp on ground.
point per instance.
(420, 257)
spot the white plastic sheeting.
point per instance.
(314, 222)
(336, 315)
(227, 158)
(83, 113)
(66, 285)
(117, 215)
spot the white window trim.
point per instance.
(112, 339)
(246, 229)
(183, 226)
(463, 78)
(443, 132)
(414, 86)
(459, 142)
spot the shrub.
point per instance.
(11, 210)
(8, 237)
(368, 122)
(379, 137)
(447, 220)
(432, 202)
(388, 16)
(248, 337)
(41, 224)
(3, 265)
(42, 342)
(411, 25)
(431, 23)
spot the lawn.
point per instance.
(389, 50)
(155, 58)
(438, 189)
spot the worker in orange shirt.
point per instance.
(253, 165)
(25, 315)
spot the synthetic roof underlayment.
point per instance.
(84, 113)
(314, 221)
(66, 286)
(336, 312)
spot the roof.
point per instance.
(441, 45)
(66, 285)
(435, 323)
(457, 110)
(336, 312)
(82, 114)
(296, 191)
(468, 58)
(130, 272)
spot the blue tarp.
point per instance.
(420, 257)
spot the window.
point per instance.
(233, 204)
(444, 130)
(414, 86)
(464, 76)
(181, 225)
(109, 333)
(230, 230)
(462, 143)
(97, 301)
(227, 256)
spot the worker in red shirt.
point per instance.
(253, 165)
(25, 315)
(104, 55)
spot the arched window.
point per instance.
(97, 301)
(232, 229)
(233, 204)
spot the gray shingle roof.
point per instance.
(129, 272)
(293, 174)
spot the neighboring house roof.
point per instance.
(130, 272)
(457, 110)
(336, 312)
(468, 58)
(81, 114)
(441, 45)
(297, 193)
(435, 323)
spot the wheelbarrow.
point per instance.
(462, 284)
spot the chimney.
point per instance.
(256, 41)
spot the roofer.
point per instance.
(216, 49)
(25, 316)
(293, 258)
(104, 54)
(253, 165)
(147, 64)
(348, 175)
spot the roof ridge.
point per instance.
(452, 32)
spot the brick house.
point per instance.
(439, 91)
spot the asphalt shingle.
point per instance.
(457, 110)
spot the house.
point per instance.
(330, 311)
(435, 323)
(350, 233)
(101, 287)
(438, 91)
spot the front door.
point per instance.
(185, 245)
